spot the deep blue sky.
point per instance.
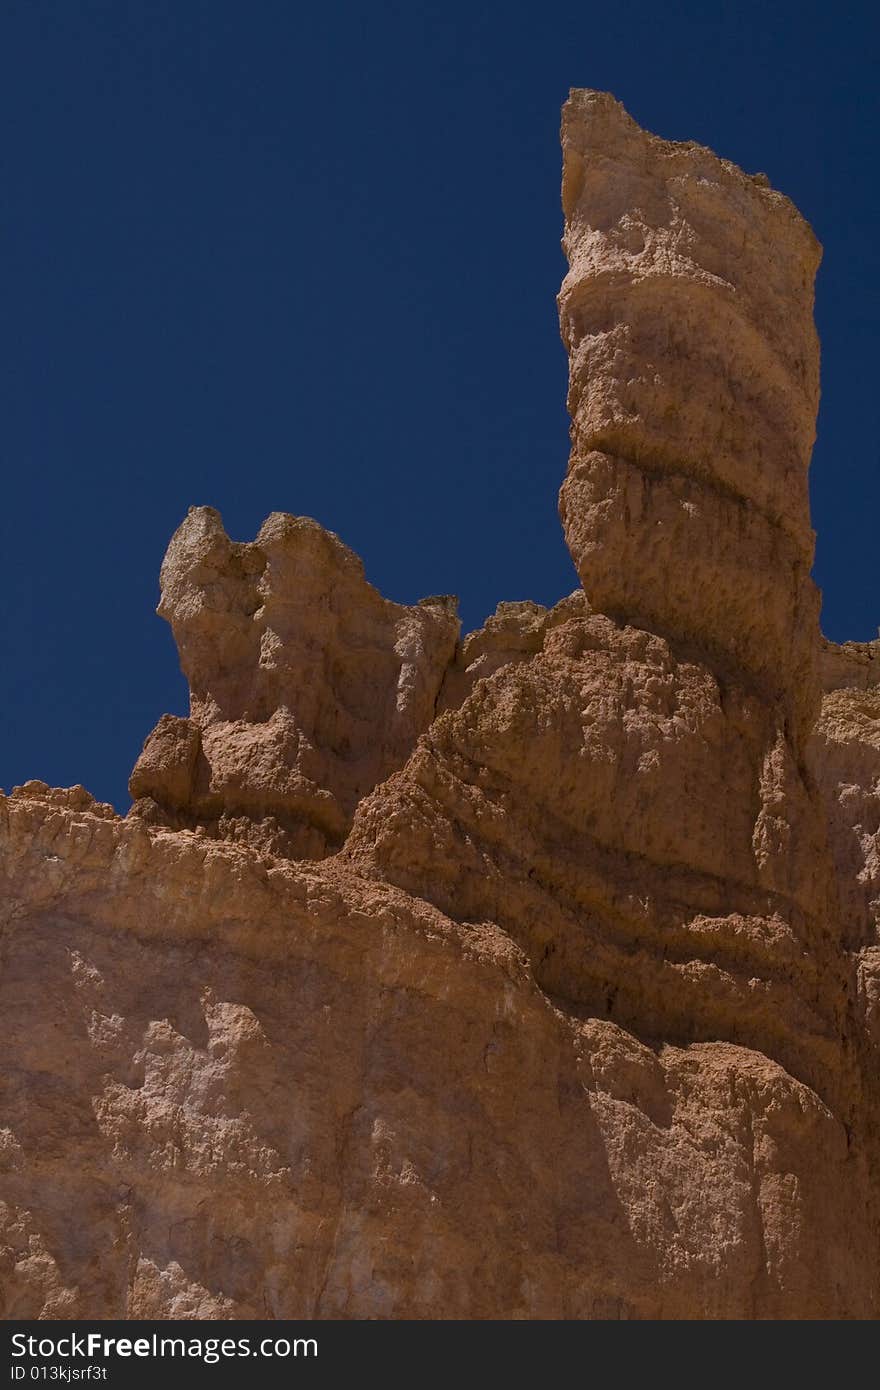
(275, 256)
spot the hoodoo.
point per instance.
(530, 975)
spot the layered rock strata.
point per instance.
(694, 380)
(632, 804)
(578, 1016)
(272, 1089)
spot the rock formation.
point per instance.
(307, 687)
(533, 975)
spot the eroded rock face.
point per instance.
(515, 633)
(844, 758)
(307, 687)
(694, 379)
(631, 803)
(294, 1093)
(544, 804)
(579, 1016)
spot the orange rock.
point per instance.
(579, 1014)
(307, 687)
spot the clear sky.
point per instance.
(298, 257)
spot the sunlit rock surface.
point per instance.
(534, 975)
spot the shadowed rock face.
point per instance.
(579, 1014)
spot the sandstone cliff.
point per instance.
(530, 975)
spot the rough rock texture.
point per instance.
(844, 759)
(515, 632)
(694, 378)
(276, 1090)
(306, 686)
(631, 804)
(579, 1013)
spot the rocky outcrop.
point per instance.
(578, 1016)
(307, 687)
(631, 804)
(694, 380)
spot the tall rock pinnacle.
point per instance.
(694, 380)
(658, 736)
